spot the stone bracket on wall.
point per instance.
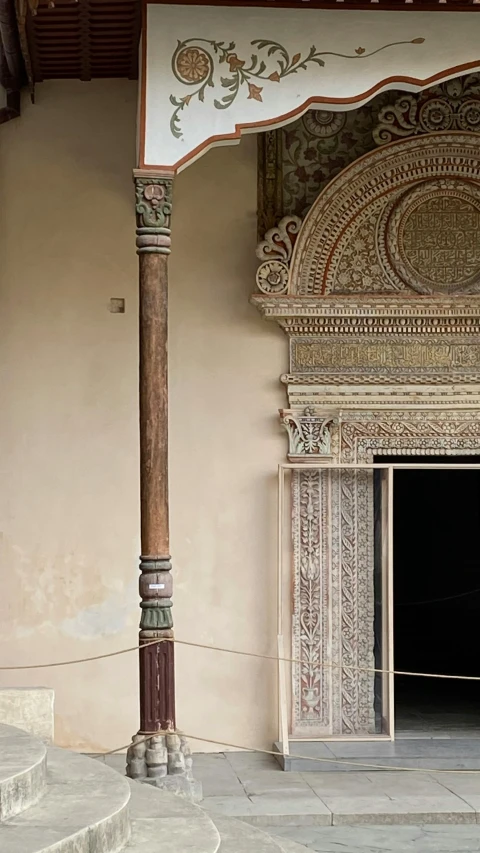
(275, 252)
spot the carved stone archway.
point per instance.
(378, 291)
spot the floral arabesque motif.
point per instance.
(359, 268)
(193, 64)
(454, 105)
(309, 160)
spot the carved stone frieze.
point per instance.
(370, 315)
(379, 340)
(416, 432)
(404, 356)
(454, 105)
(296, 162)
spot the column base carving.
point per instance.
(164, 760)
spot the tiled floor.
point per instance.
(357, 812)
(253, 787)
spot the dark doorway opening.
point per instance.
(436, 524)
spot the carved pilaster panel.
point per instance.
(333, 609)
(312, 706)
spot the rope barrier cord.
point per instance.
(242, 654)
(332, 760)
(78, 660)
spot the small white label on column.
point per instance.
(156, 586)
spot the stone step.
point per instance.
(23, 771)
(83, 809)
(167, 823)
(239, 837)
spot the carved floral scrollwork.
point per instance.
(309, 434)
(280, 240)
(276, 253)
(455, 105)
(308, 597)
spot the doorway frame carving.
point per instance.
(390, 373)
(343, 594)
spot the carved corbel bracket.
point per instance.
(276, 253)
(311, 434)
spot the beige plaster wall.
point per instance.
(68, 426)
(226, 443)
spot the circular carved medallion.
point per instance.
(436, 115)
(468, 116)
(431, 237)
(192, 65)
(324, 123)
(272, 277)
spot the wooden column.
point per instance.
(157, 674)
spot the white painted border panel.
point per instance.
(196, 56)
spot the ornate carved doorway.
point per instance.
(377, 291)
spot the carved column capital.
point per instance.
(311, 434)
(153, 207)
